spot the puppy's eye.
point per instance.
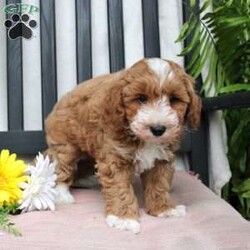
(142, 99)
(173, 100)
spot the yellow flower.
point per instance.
(11, 175)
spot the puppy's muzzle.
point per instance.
(158, 130)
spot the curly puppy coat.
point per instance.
(129, 122)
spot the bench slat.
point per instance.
(83, 40)
(48, 55)
(15, 81)
(116, 41)
(151, 28)
(23, 142)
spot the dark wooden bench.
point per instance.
(30, 142)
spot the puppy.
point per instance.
(130, 122)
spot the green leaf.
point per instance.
(243, 187)
(220, 77)
(205, 6)
(206, 49)
(194, 41)
(196, 51)
(235, 88)
(195, 57)
(187, 28)
(241, 201)
(248, 209)
(5, 224)
(211, 76)
(208, 17)
(192, 3)
(233, 21)
(183, 31)
(243, 163)
(246, 195)
(227, 4)
(237, 143)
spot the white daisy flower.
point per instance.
(39, 192)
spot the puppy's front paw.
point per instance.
(63, 195)
(178, 211)
(123, 224)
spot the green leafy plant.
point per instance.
(216, 38)
(5, 224)
(237, 191)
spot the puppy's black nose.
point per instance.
(157, 130)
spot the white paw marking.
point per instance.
(178, 211)
(63, 195)
(123, 224)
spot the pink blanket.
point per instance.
(210, 224)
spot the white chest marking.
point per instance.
(146, 156)
(161, 68)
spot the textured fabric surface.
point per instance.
(210, 224)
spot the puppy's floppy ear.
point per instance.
(113, 108)
(194, 108)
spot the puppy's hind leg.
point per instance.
(66, 156)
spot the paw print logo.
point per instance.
(20, 26)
